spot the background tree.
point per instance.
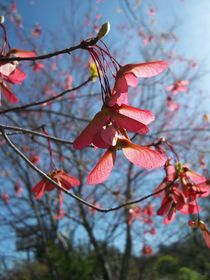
(72, 238)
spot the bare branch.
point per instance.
(105, 210)
(19, 108)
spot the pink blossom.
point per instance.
(148, 213)
(5, 197)
(15, 77)
(181, 188)
(17, 19)
(148, 39)
(22, 53)
(34, 159)
(152, 11)
(202, 226)
(147, 250)
(134, 213)
(36, 31)
(172, 105)
(98, 16)
(9, 72)
(13, 7)
(127, 76)
(143, 157)
(173, 200)
(193, 63)
(203, 162)
(18, 189)
(38, 66)
(60, 177)
(178, 86)
(68, 82)
(109, 120)
(152, 231)
(54, 66)
(47, 90)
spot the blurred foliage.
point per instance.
(186, 260)
(55, 264)
(180, 261)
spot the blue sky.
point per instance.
(192, 17)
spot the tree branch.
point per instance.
(40, 172)
(19, 108)
(84, 45)
(36, 133)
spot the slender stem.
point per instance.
(36, 133)
(39, 171)
(181, 129)
(52, 162)
(19, 108)
(84, 45)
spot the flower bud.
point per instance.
(104, 30)
(1, 19)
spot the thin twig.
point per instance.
(38, 170)
(105, 210)
(184, 129)
(19, 108)
(36, 133)
(84, 45)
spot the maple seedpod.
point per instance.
(131, 119)
(60, 177)
(143, 157)
(127, 76)
(202, 226)
(143, 116)
(7, 68)
(184, 187)
(9, 95)
(103, 168)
